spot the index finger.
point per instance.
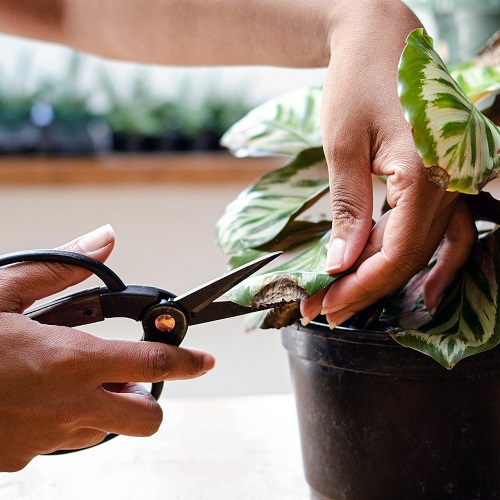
(399, 247)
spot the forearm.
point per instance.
(202, 32)
(294, 33)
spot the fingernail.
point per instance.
(208, 362)
(307, 317)
(305, 320)
(332, 325)
(435, 308)
(330, 310)
(97, 239)
(336, 254)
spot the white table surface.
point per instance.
(235, 448)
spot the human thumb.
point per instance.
(347, 145)
(24, 283)
(351, 194)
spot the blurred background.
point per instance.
(85, 142)
(54, 100)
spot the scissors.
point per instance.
(165, 317)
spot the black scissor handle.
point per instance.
(103, 272)
(66, 311)
(77, 309)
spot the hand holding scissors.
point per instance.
(165, 317)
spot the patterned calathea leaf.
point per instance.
(263, 210)
(468, 320)
(457, 143)
(296, 233)
(299, 274)
(285, 125)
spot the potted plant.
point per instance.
(142, 121)
(382, 414)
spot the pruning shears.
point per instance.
(165, 317)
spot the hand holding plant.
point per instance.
(458, 144)
(364, 133)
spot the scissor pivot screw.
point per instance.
(165, 323)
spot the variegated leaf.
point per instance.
(457, 143)
(468, 320)
(301, 275)
(262, 210)
(285, 125)
(297, 237)
(296, 233)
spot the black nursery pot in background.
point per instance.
(382, 421)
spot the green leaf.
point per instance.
(304, 244)
(301, 275)
(297, 232)
(285, 125)
(468, 320)
(457, 143)
(262, 210)
(244, 257)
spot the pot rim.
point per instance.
(346, 334)
(376, 353)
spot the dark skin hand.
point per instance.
(61, 388)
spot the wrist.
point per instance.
(383, 24)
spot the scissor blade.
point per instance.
(199, 298)
(222, 310)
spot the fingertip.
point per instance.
(433, 294)
(97, 244)
(305, 320)
(336, 255)
(96, 240)
(345, 248)
(311, 307)
(434, 307)
(204, 361)
(208, 362)
(304, 307)
(351, 204)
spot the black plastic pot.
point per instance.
(381, 421)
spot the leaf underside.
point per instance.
(285, 125)
(466, 323)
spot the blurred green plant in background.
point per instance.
(56, 114)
